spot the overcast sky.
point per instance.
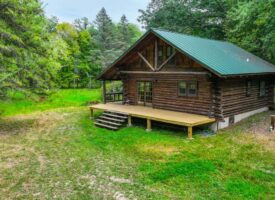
(68, 10)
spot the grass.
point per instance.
(19, 104)
(60, 154)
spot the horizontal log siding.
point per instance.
(165, 92)
(234, 100)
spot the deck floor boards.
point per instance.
(179, 118)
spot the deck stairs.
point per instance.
(111, 120)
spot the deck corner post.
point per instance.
(149, 125)
(91, 113)
(190, 132)
(272, 122)
(129, 121)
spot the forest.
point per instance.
(39, 54)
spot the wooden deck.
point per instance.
(171, 117)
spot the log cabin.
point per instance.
(186, 80)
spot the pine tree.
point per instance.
(104, 26)
(124, 32)
(25, 58)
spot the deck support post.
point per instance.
(92, 113)
(149, 125)
(272, 122)
(104, 91)
(190, 132)
(129, 121)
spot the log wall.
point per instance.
(233, 99)
(165, 92)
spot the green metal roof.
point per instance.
(222, 58)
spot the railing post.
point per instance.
(104, 91)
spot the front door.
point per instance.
(145, 93)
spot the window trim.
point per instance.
(188, 88)
(180, 94)
(248, 88)
(188, 83)
(264, 94)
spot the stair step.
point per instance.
(108, 122)
(106, 126)
(114, 115)
(117, 113)
(112, 119)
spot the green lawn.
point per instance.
(19, 104)
(60, 154)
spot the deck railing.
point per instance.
(114, 97)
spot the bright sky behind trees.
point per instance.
(68, 10)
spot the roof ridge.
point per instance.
(194, 36)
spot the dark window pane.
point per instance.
(248, 88)
(262, 88)
(182, 88)
(192, 89)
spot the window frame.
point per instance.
(188, 84)
(262, 93)
(162, 52)
(188, 88)
(169, 52)
(248, 88)
(179, 93)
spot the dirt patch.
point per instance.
(26, 123)
(120, 180)
(158, 149)
(261, 132)
(119, 196)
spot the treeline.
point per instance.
(38, 54)
(247, 23)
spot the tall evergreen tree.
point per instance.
(104, 26)
(26, 61)
(124, 32)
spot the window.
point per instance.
(192, 89)
(160, 54)
(169, 52)
(248, 88)
(188, 88)
(262, 88)
(182, 88)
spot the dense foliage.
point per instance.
(27, 59)
(38, 54)
(249, 24)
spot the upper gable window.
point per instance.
(160, 54)
(169, 52)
